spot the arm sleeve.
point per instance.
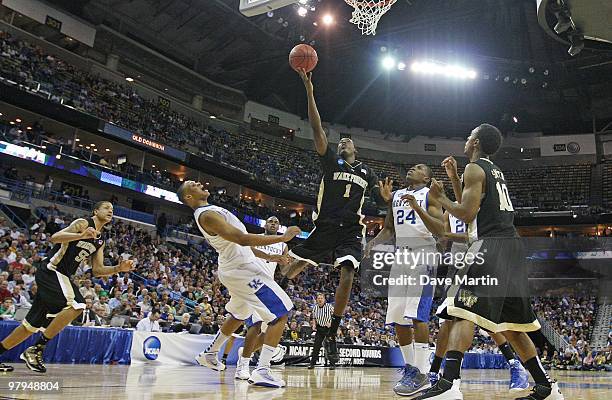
(329, 160)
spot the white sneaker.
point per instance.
(263, 377)
(242, 368)
(279, 354)
(555, 394)
(444, 390)
(210, 360)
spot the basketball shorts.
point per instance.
(344, 244)
(252, 291)
(493, 291)
(56, 292)
(410, 300)
(255, 319)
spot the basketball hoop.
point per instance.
(366, 14)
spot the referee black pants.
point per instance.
(320, 336)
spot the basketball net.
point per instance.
(366, 14)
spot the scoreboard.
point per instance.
(255, 7)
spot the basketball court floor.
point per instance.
(193, 382)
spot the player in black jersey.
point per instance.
(503, 307)
(339, 230)
(58, 300)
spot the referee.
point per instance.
(322, 313)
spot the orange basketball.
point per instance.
(303, 56)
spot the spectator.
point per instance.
(4, 292)
(115, 301)
(101, 307)
(87, 290)
(292, 333)
(150, 323)
(88, 317)
(207, 325)
(19, 300)
(183, 325)
(7, 309)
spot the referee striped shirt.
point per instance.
(323, 315)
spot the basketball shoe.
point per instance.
(541, 392)
(263, 377)
(443, 390)
(242, 367)
(412, 382)
(519, 378)
(210, 359)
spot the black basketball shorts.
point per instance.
(493, 291)
(343, 243)
(56, 292)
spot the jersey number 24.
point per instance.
(409, 216)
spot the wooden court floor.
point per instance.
(193, 382)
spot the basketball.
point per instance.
(303, 56)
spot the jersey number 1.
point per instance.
(348, 190)
(504, 198)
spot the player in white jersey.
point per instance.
(250, 288)
(455, 230)
(412, 220)
(273, 255)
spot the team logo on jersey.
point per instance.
(467, 298)
(151, 348)
(363, 171)
(340, 161)
(255, 283)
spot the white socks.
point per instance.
(408, 354)
(422, 353)
(218, 341)
(265, 356)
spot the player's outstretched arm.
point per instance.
(450, 165)
(99, 269)
(283, 259)
(215, 224)
(319, 136)
(473, 180)
(77, 230)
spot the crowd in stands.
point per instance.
(273, 162)
(174, 288)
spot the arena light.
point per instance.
(515, 120)
(77, 140)
(17, 119)
(437, 68)
(129, 79)
(401, 66)
(213, 117)
(302, 11)
(328, 19)
(388, 63)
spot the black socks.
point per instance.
(452, 368)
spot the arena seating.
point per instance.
(607, 184)
(276, 162)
